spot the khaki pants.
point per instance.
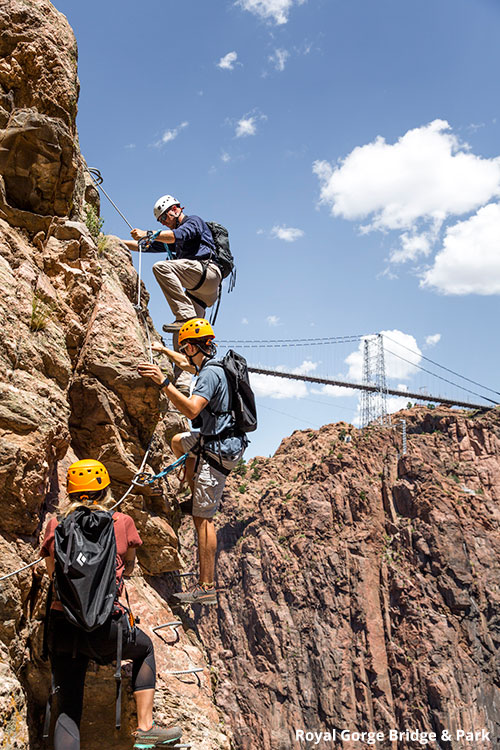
(174, 276)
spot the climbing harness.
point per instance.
(145, 478)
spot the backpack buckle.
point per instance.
(143, 479)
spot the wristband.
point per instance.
(165, 382)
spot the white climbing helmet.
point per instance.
(163, 204)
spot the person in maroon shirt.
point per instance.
(88, 484)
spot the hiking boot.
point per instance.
(199, 593)
(156, 737)
(173, 327)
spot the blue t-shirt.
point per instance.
(193, 240)
(212, 384)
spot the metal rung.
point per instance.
(174, 625)
(187, 671)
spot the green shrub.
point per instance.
(93, 221)
(241, 468)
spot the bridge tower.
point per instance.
(374, 403)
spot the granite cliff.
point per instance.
(359, 587)
(69, 389)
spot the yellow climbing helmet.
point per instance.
(88, 475)
(196, 328)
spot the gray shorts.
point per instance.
(208, 482)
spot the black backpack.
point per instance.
(242, 398)
(85, 583)
(85, 567)
(223, 255)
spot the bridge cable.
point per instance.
(485, 387)
(450, 382)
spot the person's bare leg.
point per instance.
(207, 548)
(144, 705)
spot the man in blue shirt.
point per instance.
(190, 278)
(213, 451)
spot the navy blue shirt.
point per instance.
(193, 240)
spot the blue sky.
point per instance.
(351, 148)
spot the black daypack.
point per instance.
(85, 567)
(242, 398)
(223, 255)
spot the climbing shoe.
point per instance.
(156, 737)
(173, 327)
(199, 593)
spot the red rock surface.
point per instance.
(69, 388)
(361, 591)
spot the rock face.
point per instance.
(361, 590)
(40, 162)
(71, 341)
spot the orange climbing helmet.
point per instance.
(196, 328)
(87, 475)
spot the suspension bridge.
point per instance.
(371, 362)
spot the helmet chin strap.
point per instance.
(206, 355)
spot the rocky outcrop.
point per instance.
(360, 587)
(69, 388)
(40, 163)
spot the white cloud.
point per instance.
(130, 145)
(305, 368)
(227, 62)
(434, 339)
(412, 246)
(289, 234)
(279, 58)
(225, 157)
(246, 126)
(272, 320)
(269, 10)
(469, 261)
(276, 387)
(413, 185)
(394, 366)
(170, 135)
(244, 321)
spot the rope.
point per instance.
(98, 183)
(25, 567)
(144, 479)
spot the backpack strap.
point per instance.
(48, 707)
(118, 674)
(46, 622)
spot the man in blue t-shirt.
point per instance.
(213, 451)
(190, 278)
